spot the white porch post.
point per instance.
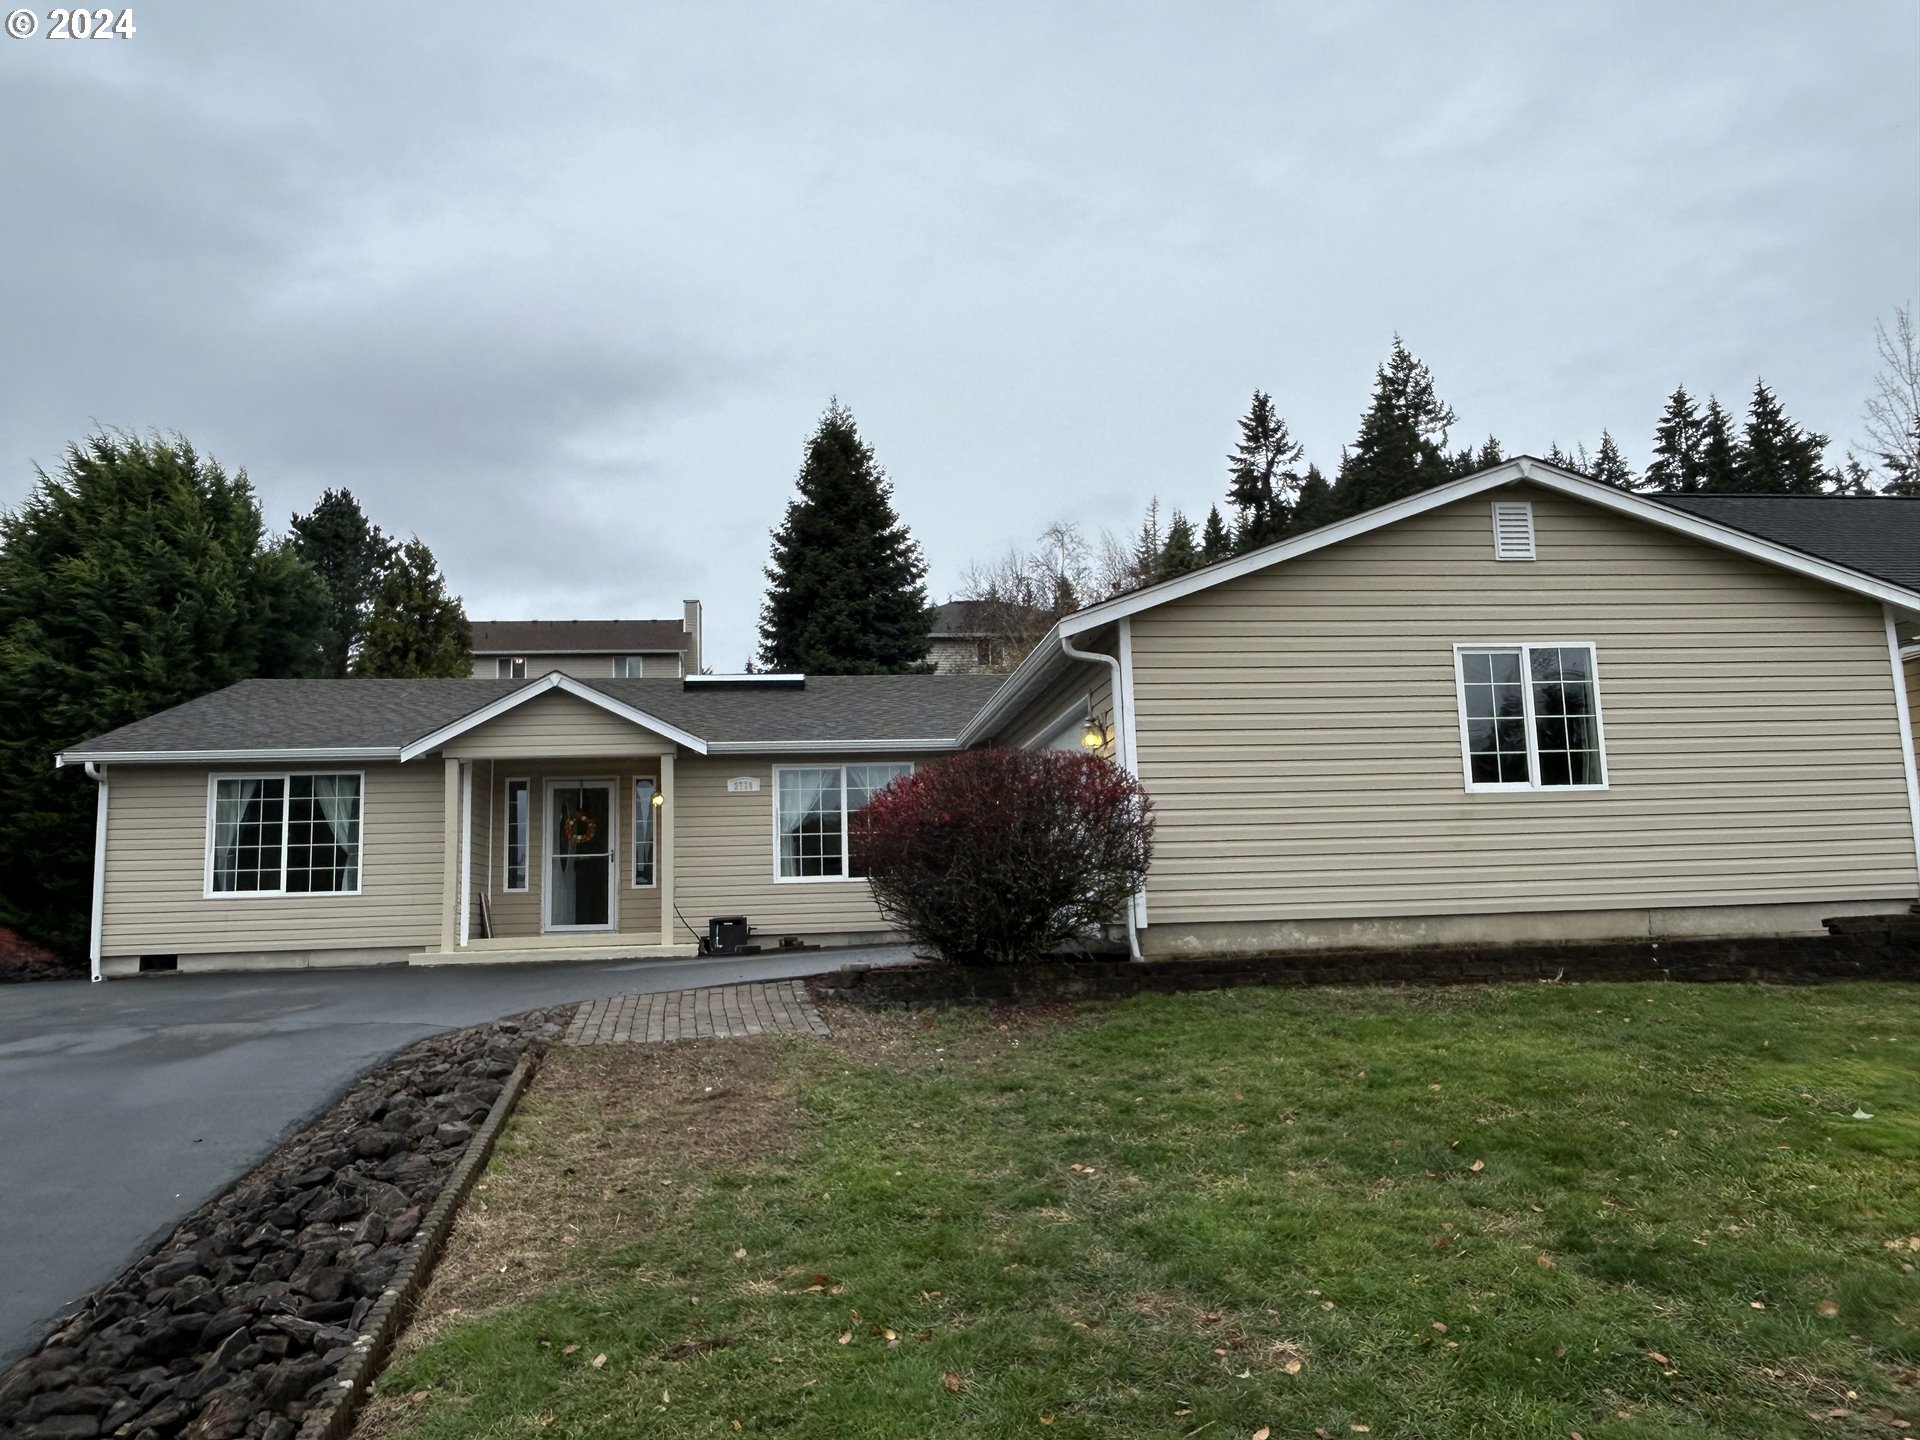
(663, 842)
(466, 853)
(450, 863)
(98, 773)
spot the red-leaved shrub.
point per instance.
(999, 855)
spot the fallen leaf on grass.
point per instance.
(1441, 1326)
(568, 1349)
(846, 1338)
(1544, 1260)
(1477, 1166)
(1756, 1304)
(600, 1360)
(1658, 1358)
(952, 1383)
(1262, 1433)
(416, 1397)
(1826, 1309)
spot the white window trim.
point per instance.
(207, 892)
(633, 840)
(846, 829)
(506, 826)
(1526, 694)
(503, 667)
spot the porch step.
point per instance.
(496, 953)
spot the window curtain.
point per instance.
(337, 798)
(810, 821)
(232, 800)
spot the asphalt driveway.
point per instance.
(126, 1105)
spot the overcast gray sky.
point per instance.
(565, 287)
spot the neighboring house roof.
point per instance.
(977, 619)
(578, 637)
(387, 719)
(1877, 535)
(1047, 659)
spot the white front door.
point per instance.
(582, 889)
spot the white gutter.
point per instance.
(99, 777)
(1905, 715)
(221, 757)
(1122, 741)
(825, 747)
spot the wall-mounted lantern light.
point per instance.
(1095, 735)
(658, 799)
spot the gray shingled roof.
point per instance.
(1878, 535)
(388, 714)
(578, 637)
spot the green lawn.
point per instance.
(1605, 1210)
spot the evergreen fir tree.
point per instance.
(1263, 477)
(1147, 547)
(1179, 555)
(1610, 466)
(1557, 456)
(1777, 457)
(1852, 478)
(1315, 507)
(1215, 543)
(139, 576)
(846, 592)
(1489, 455)
(1677, 465)
(350, 556)
(417, 630)
(1719, 453)
(1400, 449)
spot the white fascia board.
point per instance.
(224, 757)
(758, 677)
(827, 747)
(1511, 472)
(552, 680)
(543, 651)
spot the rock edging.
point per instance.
(333, 1417)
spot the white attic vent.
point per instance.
(1512, 530)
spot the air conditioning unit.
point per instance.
(727, 934)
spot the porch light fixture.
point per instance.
(1095, 736)
(658, 799)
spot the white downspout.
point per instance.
(98, 774)
(1121, 732)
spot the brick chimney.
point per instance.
(691, 623)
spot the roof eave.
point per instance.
(300, 755)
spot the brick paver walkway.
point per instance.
(777, 1007)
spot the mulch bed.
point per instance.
(1877, 947)
(20, 960)
(239, 1321)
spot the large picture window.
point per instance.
(284, 835)
(816, 817)
(1530, 717)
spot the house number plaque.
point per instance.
(744, 785)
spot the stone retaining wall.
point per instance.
(1862, 947)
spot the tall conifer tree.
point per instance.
(1179, 555)
(1315, 507)
(1610, 466)
(1263, 476)
(1777, 457)
(418, 631)
(1400, 449)
(846, 592)
(1215, 542)
(1719, 451)
(1677, 466)
(351, 556)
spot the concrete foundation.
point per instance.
(1267, 937)
(114, 966)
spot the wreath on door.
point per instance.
(579, 827)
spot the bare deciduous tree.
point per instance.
(1893, 410)
(1024, 591)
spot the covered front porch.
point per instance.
(559, 857)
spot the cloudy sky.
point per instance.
(564, 287)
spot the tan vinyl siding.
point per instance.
(556, 725)
(517, 913)
(726, 852)
(156, 869)
(1298, 730)
(1912, 667)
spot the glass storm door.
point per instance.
(581, 887)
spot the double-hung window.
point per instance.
(511, 667)
(816, 812)
(1530, 717)
(284, 835)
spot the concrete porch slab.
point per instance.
(497, 953)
